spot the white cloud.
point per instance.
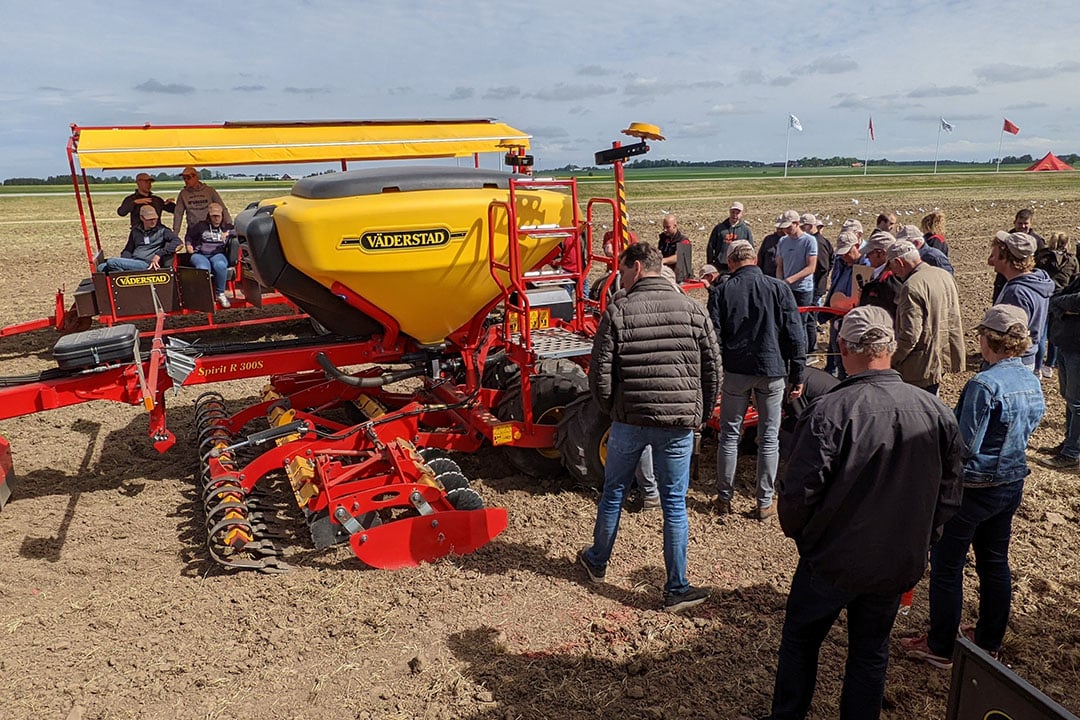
(831, 65)
(585, 73)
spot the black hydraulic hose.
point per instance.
(335, 373)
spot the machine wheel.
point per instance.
(465, 499)
(550, 396)
(595, 288)
(439, 465)
(503, 373)
(582, 438)
(452, 480)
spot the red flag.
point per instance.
(1010, 128)
(872, 127)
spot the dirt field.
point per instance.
(109, 607)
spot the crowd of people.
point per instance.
(883, 478)
(151, 245)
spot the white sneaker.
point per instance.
(223, 300)
(1047, 372)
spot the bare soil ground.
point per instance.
(109, 607)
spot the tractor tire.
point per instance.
(503, 374)
(582, 438)
(597, 287)
(550, 396)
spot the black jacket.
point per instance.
(758, 326)
(655, 361)
(1064, 318)
(874, 473)
(882, 292)
(766, 256)
(721, 237)
(128, 206)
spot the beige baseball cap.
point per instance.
(1002, 317)
(787, 219)
(1021, 245)
(867, 324)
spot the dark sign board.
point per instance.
(984, 689)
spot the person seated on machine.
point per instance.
(150, 246)
(208, 242)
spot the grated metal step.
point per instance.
(556, 343)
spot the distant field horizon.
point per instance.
(632, 174)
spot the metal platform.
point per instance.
(556, 343)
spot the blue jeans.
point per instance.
(671, 451)
(805, 298)
(768, 398)
(217, 264)
(646, 477)
(812, 607)
(122, 264)
(1068, 364)
(984, 522)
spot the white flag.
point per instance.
(794, 122)
(946, 126)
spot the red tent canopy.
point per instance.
(1050, 162)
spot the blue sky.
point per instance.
(719, 78)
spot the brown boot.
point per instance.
(723, 507)
(766, 513)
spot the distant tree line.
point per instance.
(809, 162)
(94, 180)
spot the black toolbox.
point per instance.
(99, 346)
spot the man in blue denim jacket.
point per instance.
(998, 410)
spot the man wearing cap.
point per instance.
(725, 233)
(883, 287)
(796, 259)
(1012, 255)
(762, 349)
(843, 293)
(867, 489)
(710, 275)
(1021, 224)
(193, 200)
(929, 334)
(930, 256)
(150, 246)
(143, 196)
(998, 411)
(676, 249)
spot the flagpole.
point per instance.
(1001, 139)
(936, 147)
(866, 160)
(787, 149)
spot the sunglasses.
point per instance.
(187, 176)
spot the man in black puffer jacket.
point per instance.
(655, 370)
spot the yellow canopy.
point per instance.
(117, 148)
